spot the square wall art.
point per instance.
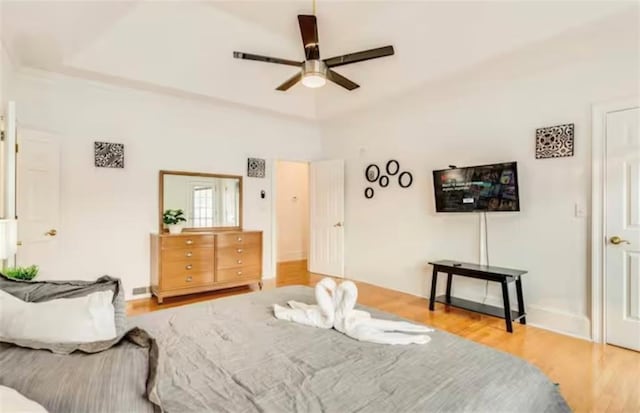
(108, 155)
(554, 141)
(256, 168)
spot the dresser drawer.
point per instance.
(188, 254)
(231, 257)
(187, 241)
(240, 273)
(185, 266)
(238, 239)
(186, 279)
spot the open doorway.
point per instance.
(292, 219)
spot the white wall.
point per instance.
(108, 214)
(292, 203)
(484, 115)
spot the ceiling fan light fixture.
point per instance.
(314, 74)
(314, 80)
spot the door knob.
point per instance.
(338, 225)
(616, 240)
(51, 233)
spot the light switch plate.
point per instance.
(580, 210)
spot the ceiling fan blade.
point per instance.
(359, 56)
(290, 82)
(309, 32)
(341, 80)
(249, 56)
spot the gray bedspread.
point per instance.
(232, 355)
(108, 376)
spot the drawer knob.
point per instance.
(239, 239)
(189, 279)
(239, 261)
(188, 266)
(239, 272)
(189, 242)
(239, 250)
(189, 254)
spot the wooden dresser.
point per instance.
(194, 262)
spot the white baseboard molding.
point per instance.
(573, 325)
(558, 321)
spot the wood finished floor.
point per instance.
(592, 377)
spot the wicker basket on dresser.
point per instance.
(194, 262)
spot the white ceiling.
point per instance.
(185, 48)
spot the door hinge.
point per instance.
(17, 146)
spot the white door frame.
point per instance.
(598, 212)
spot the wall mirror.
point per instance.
(209, 201)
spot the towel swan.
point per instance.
(321, 315)
(360, 326)
(336, 309)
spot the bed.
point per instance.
(232, 355)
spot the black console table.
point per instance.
(484, 272)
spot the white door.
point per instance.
(38, 200)
(622, 228)
(326, 220)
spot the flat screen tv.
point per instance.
(477, 188)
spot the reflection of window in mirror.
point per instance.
(208, 201)
(202, 212)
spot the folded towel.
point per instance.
(321, 315)
(336, 308)
(360, 326)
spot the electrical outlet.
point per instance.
(141, 290)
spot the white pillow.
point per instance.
(13, 402)
(64, 320)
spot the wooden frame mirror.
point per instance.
(211, 202)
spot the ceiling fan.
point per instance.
(314, 71)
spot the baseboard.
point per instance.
(558, 321)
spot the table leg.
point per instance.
(434, 282)
(521, 311)
(507, 306)
(449, 277)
